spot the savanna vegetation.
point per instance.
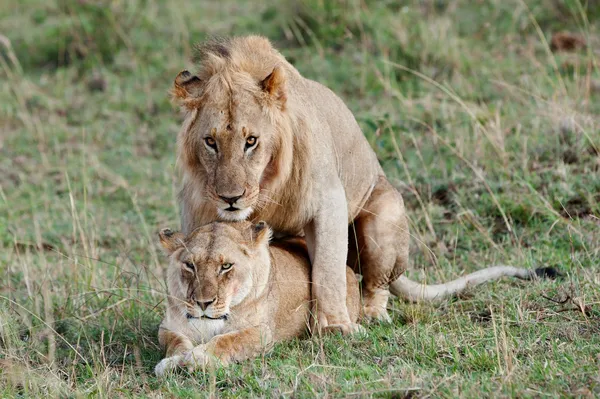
(485, 115)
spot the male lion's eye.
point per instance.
(226, 266)
(189, 265)
(250, 142)
(211, 143)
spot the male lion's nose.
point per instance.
(231, 200)
(204, 305)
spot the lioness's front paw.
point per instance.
(198, 357)
(376, 313)
(344, 328)
(168, 364)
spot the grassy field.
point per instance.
(492, 136)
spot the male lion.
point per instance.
(261, 142)
(231, 295)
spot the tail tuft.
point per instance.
(548, 272)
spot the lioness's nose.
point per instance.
(204, 305)
(231, 200)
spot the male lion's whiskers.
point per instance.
(270, 200)
(261, 205)
(264, 200)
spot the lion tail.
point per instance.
(415, 292)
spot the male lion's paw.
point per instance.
(376, 313)
(168, 364)
(344, 329)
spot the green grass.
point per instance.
(493, 140)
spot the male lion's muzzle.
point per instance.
(234, 207)
(231, 201)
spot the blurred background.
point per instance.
(485, 115)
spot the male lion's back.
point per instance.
(338, 141)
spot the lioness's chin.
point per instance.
(234, 216)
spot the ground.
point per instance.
(489, 129)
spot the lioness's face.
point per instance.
(215, 267)
(230, 141)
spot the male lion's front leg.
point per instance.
(327, 241)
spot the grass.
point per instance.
(492, 138)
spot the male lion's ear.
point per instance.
(274, 85)
(170, 240)
(185, 88)
(260, 233)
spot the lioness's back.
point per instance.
(290, 276)
(292, 288)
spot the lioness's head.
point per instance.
(234, 140)
(216, 266)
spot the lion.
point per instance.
(261, 142)
(232, 295)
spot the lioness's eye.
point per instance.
(226, 266)
(250, 142)
(189, 265)
(211, 143)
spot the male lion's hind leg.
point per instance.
(379, 247)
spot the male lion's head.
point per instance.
(234, 143)
(216, 267)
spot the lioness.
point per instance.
(231, 295)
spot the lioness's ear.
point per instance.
(186, 88)
(170, 240)
(260, 233)
(274, 85)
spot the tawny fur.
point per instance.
(264, 297)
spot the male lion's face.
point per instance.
(230, 136)
(215, 267)
(234, 148)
